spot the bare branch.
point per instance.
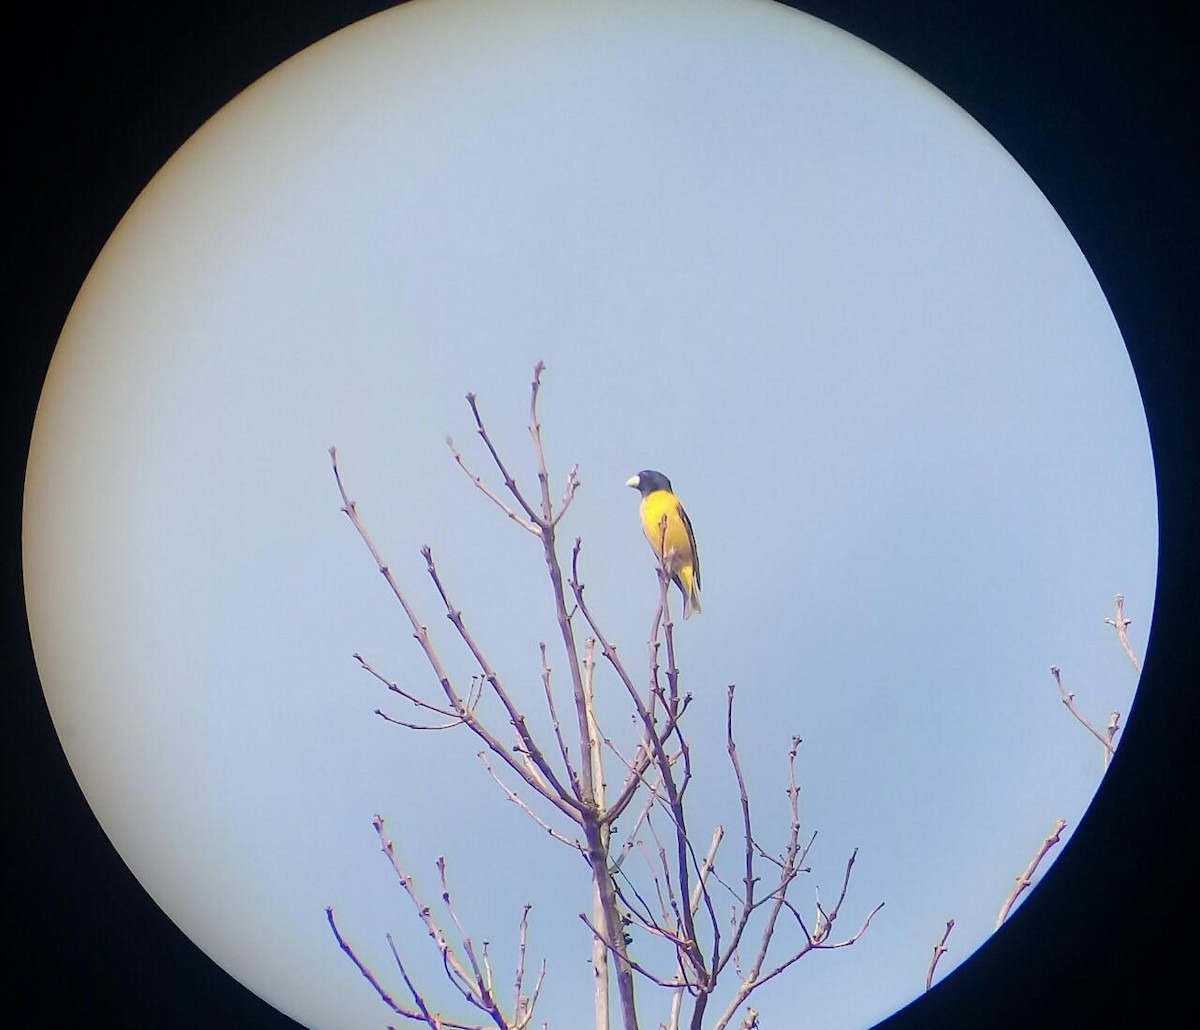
(634, 965)
(706, 866)
(487, 490)
(535, 432)
(593, 729)
(562, 745)
(568, 493)
(638, 908)
(517, 800)
(939, 950)
(509, 482)
(565, 799)
(1112, 729)
(414, 725)
(833, 913)
(481, 992)
(456, 972)
(748, 878)
(395, 688)
(362, 968)
(523, 1005)
(472, 979)
(432, 1019)
(519, 976)
(1121, 625)
(647, 805)
(1026, 878)
(421, 1014)
(673, 924)
(853, 938)
(1068, 699)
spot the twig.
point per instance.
(706, 866)
(557, 727)
(517, 800)
(634, 965)
(455, 720)
(833, 913)
(1026, 878)
(1112, 729)
(748, 878)
(853, 938)
(481, 989)
(362, 967)
(523, 1005)
(568, 493)
(1068, 699)
(432, 1020)
(474, 983)
(535, 433)
(939, 950)
(509, 483)
(419, 702)
(456, 972)
(487, 491)
(415, 725)
(1121, 625)
(559, 795)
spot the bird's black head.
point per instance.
(647, 481)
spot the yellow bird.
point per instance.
(676, 547)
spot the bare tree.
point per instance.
(663, 912)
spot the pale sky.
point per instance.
(753, 253)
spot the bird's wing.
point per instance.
(691, 541)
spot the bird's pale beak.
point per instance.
(633, 481)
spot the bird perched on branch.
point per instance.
(675, 544)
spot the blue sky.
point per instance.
(754, 254)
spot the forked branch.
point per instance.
(1068, 699)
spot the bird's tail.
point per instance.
(691, 592)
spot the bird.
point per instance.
(676, 547)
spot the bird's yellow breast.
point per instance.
(677, 538)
